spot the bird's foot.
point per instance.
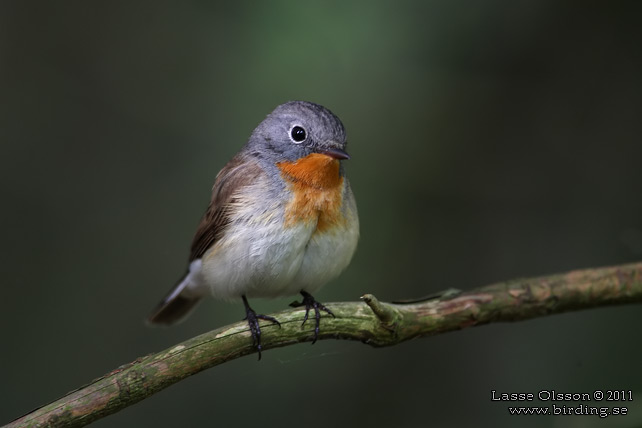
(253, 321)
(310, 303)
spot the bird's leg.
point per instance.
(253, 321)
(310, 303)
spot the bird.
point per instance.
(282, 220)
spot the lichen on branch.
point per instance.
(369, 320)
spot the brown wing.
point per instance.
(238, 172)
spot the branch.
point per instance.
(369, 321)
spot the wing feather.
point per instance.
(238, 173)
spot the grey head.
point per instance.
(297, 129)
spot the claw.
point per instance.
(310, 303)
(253, 321)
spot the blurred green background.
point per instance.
(489, 140)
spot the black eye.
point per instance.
(297, 134)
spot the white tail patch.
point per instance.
(190, 283)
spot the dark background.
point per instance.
(490, 140)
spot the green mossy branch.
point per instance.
(368, 321)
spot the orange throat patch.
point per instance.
(317, 191)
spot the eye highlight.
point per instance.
(298, 134)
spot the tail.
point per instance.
(173, 310)
(178, 304)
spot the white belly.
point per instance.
(268, 261)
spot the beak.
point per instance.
(334, 153)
